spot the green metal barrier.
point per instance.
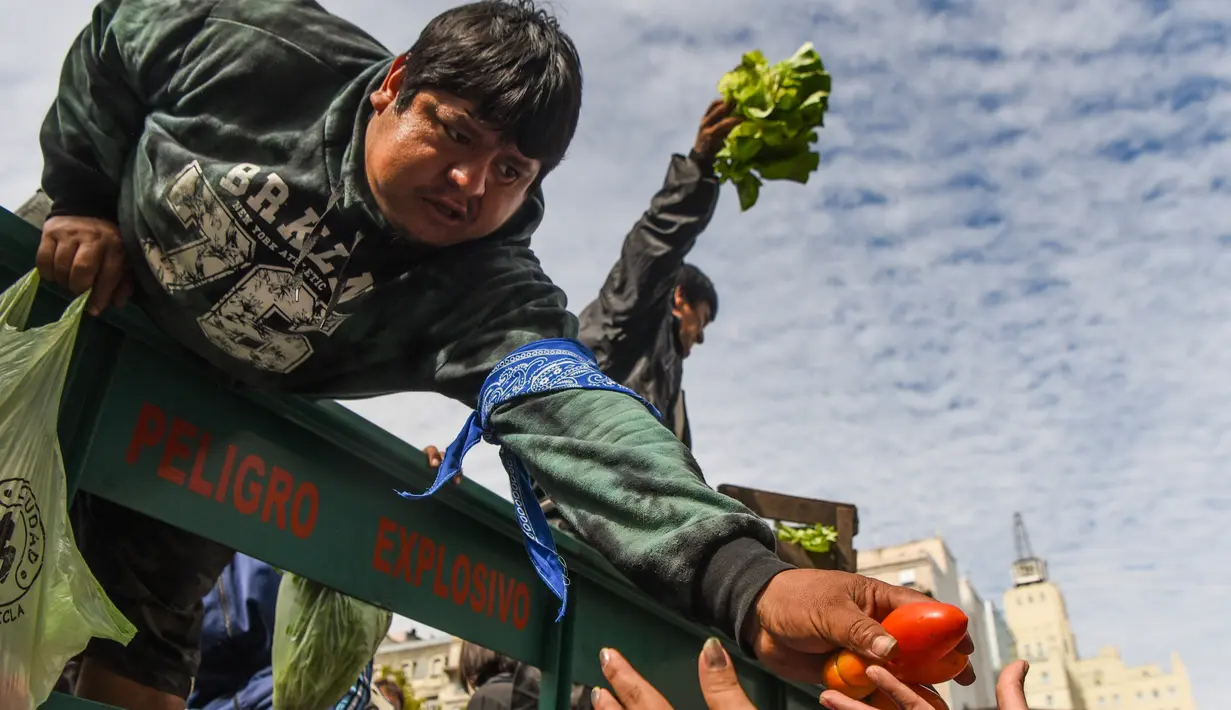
(309, 487)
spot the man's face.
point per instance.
(438, 174)
(692, 319)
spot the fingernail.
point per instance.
(604, 657)
(883, 646)
(596, 696)
(715, 656)
(822, 701)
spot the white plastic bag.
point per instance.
(50, 603)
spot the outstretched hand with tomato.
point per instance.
(802, 616)
(932, 648)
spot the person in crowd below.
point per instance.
(391, 691)
(488, 676)
(721, 689)
(310, 213)
(237, 636)
(498, 682)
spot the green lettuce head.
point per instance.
(781, 105)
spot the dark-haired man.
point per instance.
(653, 308)
(312, 214)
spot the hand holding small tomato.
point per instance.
(893, 694)
(803, 615)
(721, 689)
(928, 636)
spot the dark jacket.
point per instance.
(519, 690)
(630, 326)
(221, 134)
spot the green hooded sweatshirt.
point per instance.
(222, 134)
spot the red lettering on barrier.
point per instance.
(305, 493)
(496, 579)
(249, 494)
(280, 485)
(383, 543)
(403, 566)
(506, 598)
(196, 482)
(439, 589)
(461, 590)
(461, 580)
(478, 592)
(427, 557)
(174, 449)
(225, 478)
(521, 606)
(248, 505)
(147, 431)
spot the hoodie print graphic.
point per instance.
(288, 276)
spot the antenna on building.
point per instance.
(1027, 569)
(1021, 538)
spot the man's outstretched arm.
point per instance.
(634, 493)
(655, 248)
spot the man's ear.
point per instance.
(387, 94)
(678, 304)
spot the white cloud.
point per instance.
(1005, 290)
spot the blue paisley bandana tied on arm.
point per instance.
(542, 367)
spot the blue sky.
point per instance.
(1006, 288)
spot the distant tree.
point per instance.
(412, 701)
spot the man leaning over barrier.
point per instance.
(312, 214)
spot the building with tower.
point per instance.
(1059, 678)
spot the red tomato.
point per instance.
(881, 701)
(847, 673)
(925, 631)
(931, 672)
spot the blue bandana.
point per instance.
(542, 367)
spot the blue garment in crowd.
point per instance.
(237, 635)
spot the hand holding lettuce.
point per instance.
(781, 105)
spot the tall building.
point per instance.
(1003, 647)
(929, 566)
(1059, 678)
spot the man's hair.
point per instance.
(479, 665)
(511, 60)
(696, 288)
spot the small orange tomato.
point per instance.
(932, 672)
(925, 631)
(881, 701)
(847, 673)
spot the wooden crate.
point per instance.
(805, 511)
